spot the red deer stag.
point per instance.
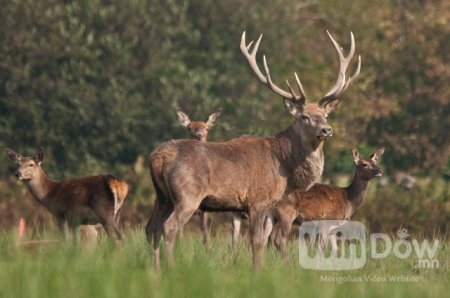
(250, 173)
(325, 202)
(74, 202)
(199, 131)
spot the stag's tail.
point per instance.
(119, 190)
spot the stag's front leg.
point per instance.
(257, 219)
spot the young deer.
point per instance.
(199, 131)
(325, 202)
(73, 202)
(250, 173)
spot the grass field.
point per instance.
(62, 269)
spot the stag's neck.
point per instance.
(40, 186)
(302, 159)
(356, 191)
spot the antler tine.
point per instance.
(354, 76)
(341, 84)
(263, 77)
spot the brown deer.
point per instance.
(250, 173)
(325, 202)
(199, 131)
(73, 202)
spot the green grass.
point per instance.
(64, 270)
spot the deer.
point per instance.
(199, 131)
(73, 202)
(325, 202)
(246, 174)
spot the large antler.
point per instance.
(342, 83)
(265, 78)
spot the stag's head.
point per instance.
(198, 129)
(367, 168)
(28, 167)
(311, 118)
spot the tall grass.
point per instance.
(62, 269)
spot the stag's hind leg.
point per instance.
(179, 217)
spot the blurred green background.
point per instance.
(96, 83)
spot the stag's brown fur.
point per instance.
(74, 202)
(199, 131)
(324, 202)
(246, 174)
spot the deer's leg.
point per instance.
(237, 221)
(154, 228)
(204, 227)
(257, 218)
(177, 219)
(281, 237)
(268, 227)
(63, 225)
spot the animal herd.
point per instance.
(268, 180)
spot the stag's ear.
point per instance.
(39, 156)
(377, 155)
(183, 118)
(16, 157)
(293, 109)
(213, 118)
(355, 155)
(331, 106)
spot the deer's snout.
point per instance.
(18, 174)
(378, 173)
(326, 132)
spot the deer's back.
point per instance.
(319, 202)
(236, 169)
(83, 191)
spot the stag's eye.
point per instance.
(31, 165)
(365, 165)
(305, 119)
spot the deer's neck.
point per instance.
(357, 190)
(40, 186)
(301, 159)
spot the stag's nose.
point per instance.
(327, 132)
(17, 174)
(379, 173)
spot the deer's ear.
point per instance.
(16, 157)
(293, 109)
(355, 153)
(213, 118)
(377, 155)
(183, 118)
(39, 156)
(331, 106)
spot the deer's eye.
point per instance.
(365, 165)
(31, 165)
(305, 119)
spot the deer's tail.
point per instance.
(119, 190)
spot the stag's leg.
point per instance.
(179, 217)
(257, 218)
(204, 227)
(237, 221)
